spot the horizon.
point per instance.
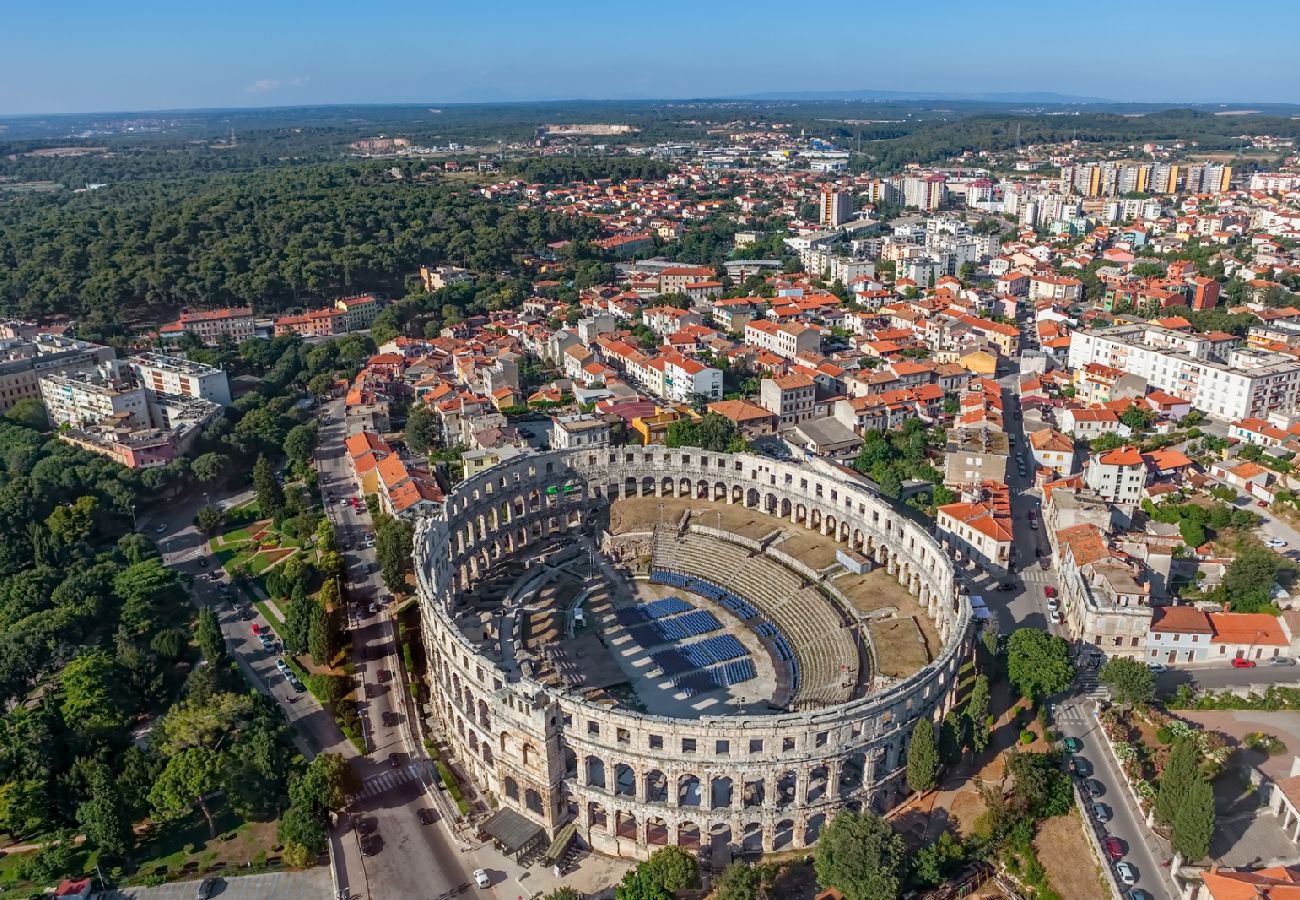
(151, 57)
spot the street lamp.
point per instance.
(133, 524)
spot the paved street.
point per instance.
(311, 884)
(1075, 718)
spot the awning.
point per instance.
(563, 838)
(512, 831)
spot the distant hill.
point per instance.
(1009, 97)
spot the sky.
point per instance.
(66, 56)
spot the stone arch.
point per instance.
(753, 794)
(569, 760)
(720, 790)
(752, 498)
(511, 788)
(783, 834)
(624, 780)
(596, 816)
(688, 835)
(852, 773)
(487, 753)
(785, 507)
(533, 801)
(656, 831)
(701, 490)
(751, 838)
(688, 790)
(813, 829)
(719, 490)
(595, 767)
(785, 789)
(624, 824)
(484, 720)
(818, 780)
(656, 787)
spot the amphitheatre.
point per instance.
(648, 646)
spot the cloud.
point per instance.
(263, 85)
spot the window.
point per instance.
(722, 748)
(593, 728)
(623, 736)
(656, 742)
(688, 745)
(755, 745)
(787, 745)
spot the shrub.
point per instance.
(1164, 734)
(1265, 743)
(1026, 736)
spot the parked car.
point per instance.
(1126, 873)
(1101, 812)
(1281, 661)
(1006, 586)
(160, 528)
(481, 878)
(1114, 849)
(1275, 543)
(1240, 662)
(1157, 667)
(283, 667)
(207, 887)
(257, 629)
(1094, 787)
(427, 816)
(1080, 766)
(1072, 745)
(1056, 617)
(1053, 604)
(1049, 591)
(371, 844)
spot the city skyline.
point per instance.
(150, 56)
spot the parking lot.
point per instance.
(313, 884)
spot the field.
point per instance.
(257, 546)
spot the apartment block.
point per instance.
(177, 375)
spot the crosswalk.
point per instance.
(1071, 713)
(187, 555)
(420, 770)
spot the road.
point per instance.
(414, 859)
(1075, 718)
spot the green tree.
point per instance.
(394, 544)
(673, 868)
(210, 467)
(30, 413)
(741, 881)
(270, 497)
(713, 432)
(1130, 680)
(1193, 825)
(104, 816)
(977, 713)
(95, 698)
(933, 863)
(1180, 773)
(210, 519)
(1038, 663)
(1192, 533)
(184, 783)
(861, 856)
(72, 523)
(300, 827)
(422, 429)
(922, 757)
(320, 634)
(297, 623)
(299, 443)
(207, 634)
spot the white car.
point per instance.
(1056, 617)
(159, 529)
(1126, 873)
(1157, 667)
(482, 880)
(1052, 604)
(1275, 543)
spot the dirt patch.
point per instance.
(878, 590)
(634, 514)
(1071, 868)
(808, 547)
(900, 649)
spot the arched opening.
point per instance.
(813, 829)
(785, 790)
(656, 831)
(533, 801)
(570, 761)
(487, 753)
(529, 752)
(688, 835)
(751, 840)
(688, 791)
(783, 834)
(512, 789)
(720, 793)
(595, 771)
(817, 779)
(752, 796)
(656, 787)
(624, 781)
(625, 824)
(596, 816)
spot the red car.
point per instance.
(1114, 849)
(1049, 591)
(1240, 662)
(257, 629)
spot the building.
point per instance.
(1118, 475)
(435, 278)
(476, 461)
(91, 398)
(357, 312)
(1086, 424)
(579, 431)
(791, 398)
(1211, 372)
(1179, 634)
(1052, 450)
(979, 532)
(676, 279)
(315, 323)
(177, 375)
(975, 455)
(828, 437)
(834, 207)
(1274, 883)
(752, 420)
(26, 356)
(1102, 600)
(210, 326)
(787, 339)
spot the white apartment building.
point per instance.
(792, 398)
(570, 432)
(1248, 383)
(787, 340)
(834, 207)
(91, 398)
(1118, 475)
(25, 360)
(177, 375)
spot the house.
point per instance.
(980, 532)
(1252, 636)
(826, 437)
(582, 430)
(975, 455)
(752, 420)
(1118, 475)
(1275, 883)
(365, 450)
(1086, 424)
(1243, 475)
(1179, 634)
(791, 398)
(1053, 450)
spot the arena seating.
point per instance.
(675, 628)
(669, 606)
(807, 632)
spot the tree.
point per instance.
(977, 713)
(326, 783)
(933, 862)
(1038, 663)
(301, 828)
(208, 722)
(210, 519)
(30, 413)
(299, 443)
(713, 432)
(184, 783)
(394, 544)
(565, 893)
(740, 881)
(1130, 680)
(94, 694)
(297, 623)
(104, 816)
(922, 757)
(270, 497)
(1192, 533)
(422, 429)
(1193, 825)
(861, 856)
(1041, 788)
(207, 634)
(210, 467)
(668, 870)
(72, 523)
(320, 634)
(1180, 772)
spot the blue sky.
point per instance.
(82, 56)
